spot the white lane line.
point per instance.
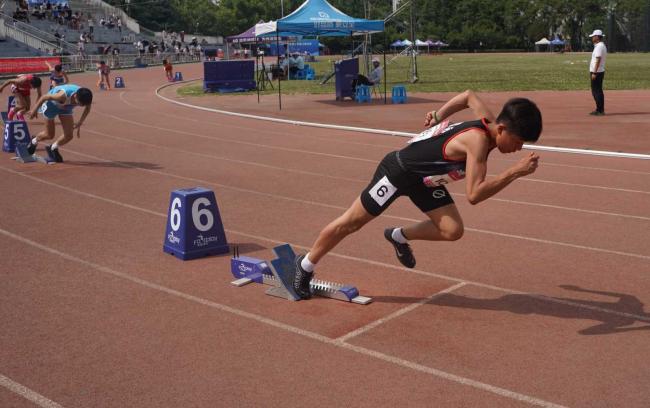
(348, 257)
(574, 166)
(625, 190)
(257, 145)
(338, 207)
(336, 156)
(398, 313)
(309, 173)
(388, 132)
(373, 145)
(271, 133)
(228, 159)
(283, 326)
(26, 393)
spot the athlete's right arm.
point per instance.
(467, 99)
(7, 83)
(477, 187)
(43, 99)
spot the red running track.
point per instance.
(541, 303)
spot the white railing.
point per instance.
(26, 38)
(89, 62)
(35, 32)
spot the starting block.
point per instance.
(119, 82)
(23, 156)
(279, 274)
(102, 86)
(178, 76)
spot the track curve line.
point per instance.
(379, 131)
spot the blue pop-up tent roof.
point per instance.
(318, 17)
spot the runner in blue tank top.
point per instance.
(60, 101)
(444, 153)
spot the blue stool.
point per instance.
(300, 74)
(362, 94)
(310, 75)
(399, 94)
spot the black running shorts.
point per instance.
(391, 181)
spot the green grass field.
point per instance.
(488, 72)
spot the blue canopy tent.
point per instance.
(317, 18)
(556, 42)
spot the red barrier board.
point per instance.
(26, 65)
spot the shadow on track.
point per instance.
(526, 304)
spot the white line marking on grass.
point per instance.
(342, 256)
(387, 132)
(398, 313)
(26, 393)
(283, 326)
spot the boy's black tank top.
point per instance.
(425, 155)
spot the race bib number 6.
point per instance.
(382, 191)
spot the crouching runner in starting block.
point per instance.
(442, 154)
(60, 101)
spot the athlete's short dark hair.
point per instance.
(522, 117)
(58, 67)
(35, 82)
(84, 96)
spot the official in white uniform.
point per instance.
(597, 71)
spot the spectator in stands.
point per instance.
(21, 88)
(48, 10)
(57, 75)
(91, 24)
(119, 24)
(81, 48)
(373, 79)
(102, 22)
(21, 15)
(182, 36)
(103, 70)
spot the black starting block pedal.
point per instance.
(280, 272)
(23, 156)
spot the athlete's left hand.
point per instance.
(78, 127)
(32, 114)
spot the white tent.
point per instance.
(419, 43)
(543, 42)
(407, 43)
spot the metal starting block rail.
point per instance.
(279, 274)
